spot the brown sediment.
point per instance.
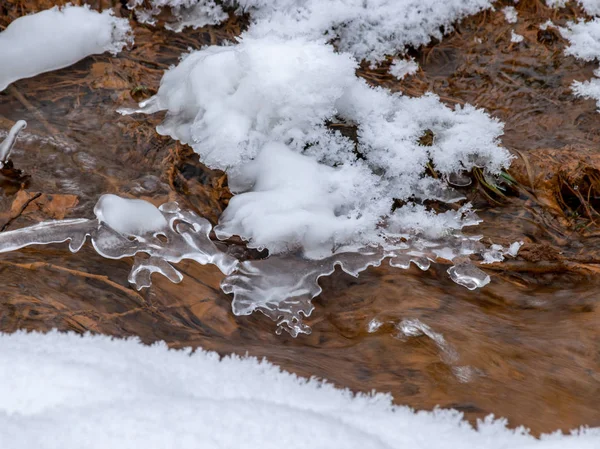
(527, 345)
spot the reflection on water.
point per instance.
(525, 346)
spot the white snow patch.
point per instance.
(57, 38)
(556, 3)
(514, 37)
(66, 391)
(510, 13)
(403, 67)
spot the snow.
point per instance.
(591, 7)
(368, 30)
(259, 109)
(556, 3)
(66, 391)
(403, 67)
(510, 13)
(56, 38)
(188, 13)
(584, 40)
(129, 216)
(8, 143)
(514, 37)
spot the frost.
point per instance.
(368, 30)
(64, 390)
(188, 13)
(281, 286)
(584, 39)
(403, 67)
(591, 7)
(510, 13)
(57, 38)
(298, 184)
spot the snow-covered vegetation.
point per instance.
(66, 391)
(57, 38)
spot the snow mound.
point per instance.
(261, 110)
(67, 391)
(57, 38)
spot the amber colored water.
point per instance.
(526, 347)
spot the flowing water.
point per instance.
(526, 346)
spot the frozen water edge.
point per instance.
(56, 38)
(281, 286)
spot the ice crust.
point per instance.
(259, 110)
(281, 286)
(57, 38)
(126, 228)
(401, 68)
(62, 390)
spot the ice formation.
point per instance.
(187, 13)
(368, 30)
(66, 391)
(126, 228)
(584, 39)
(9, 142)
(591, 7)
(56, 38)
(281, 286)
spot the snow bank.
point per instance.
(66, 391)
(56, 38)
(259, 110)
(403, 67)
